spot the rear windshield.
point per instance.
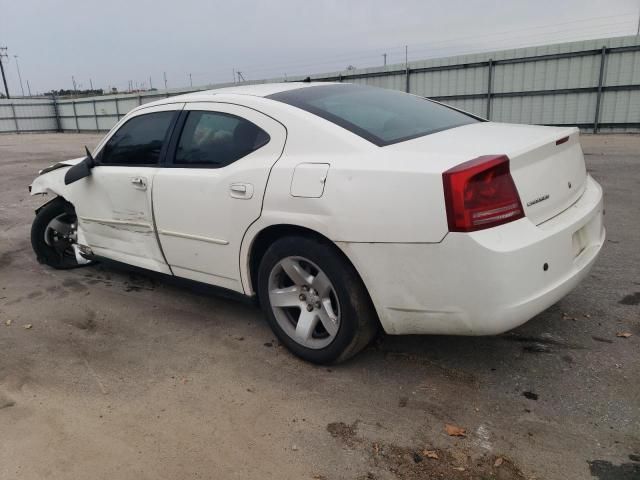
(376, 114)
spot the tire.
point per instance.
(49, 246)
(344, 305)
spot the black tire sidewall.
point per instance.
(45, 253)
(348, 288)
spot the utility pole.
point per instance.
(234, 75)
(28, 88)
(3, 53)
(91, 84)
(75, 87)
(19, 76)
(384, 55)
(190, 80)
(165, 80)
(240, 77)
(150, 84)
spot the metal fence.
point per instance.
(593, 84)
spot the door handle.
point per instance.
(139, 182)
(241, 190)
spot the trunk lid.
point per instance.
(546, 163)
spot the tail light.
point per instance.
(481, 194)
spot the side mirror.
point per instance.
(80, 170)
(77, 172)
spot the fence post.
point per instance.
(15, 117)
(596, 120)
(407, 73)
(489, 88)
(95, 115)
(75, 115)
(56, 111)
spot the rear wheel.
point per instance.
(53, 233)
(314, 300)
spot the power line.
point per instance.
(556, 36)
(417, 47)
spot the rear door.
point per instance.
(114, 203)
(212, 188)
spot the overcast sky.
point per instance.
(114, 41)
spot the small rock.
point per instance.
(294, 448)
(417, 458)
(498, 462)
(28, 326)
(8, 322)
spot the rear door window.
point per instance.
(139, 141)
(216, 139)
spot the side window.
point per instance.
(215, 139)
(139, 141)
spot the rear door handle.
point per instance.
(241, 190)
(139, 182)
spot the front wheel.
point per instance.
(53, 233)
(314, 300)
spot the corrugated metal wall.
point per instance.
(27, 115)
(579, 83)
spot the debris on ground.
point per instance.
(28, 326)
(623, 334)
(8, 322)
(401, 462)
(454, 430)
(406, 463)
(430, 454)
(344, 432)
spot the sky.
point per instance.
(112, 42)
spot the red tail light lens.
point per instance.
(481, 194)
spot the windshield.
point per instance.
(379, 115)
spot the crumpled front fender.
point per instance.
(51, 179)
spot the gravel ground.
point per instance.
(106, 373)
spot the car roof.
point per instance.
(255, 90)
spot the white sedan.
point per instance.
(342, 208)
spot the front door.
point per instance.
(212, 188)
(113, 204)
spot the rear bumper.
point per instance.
(485, 282)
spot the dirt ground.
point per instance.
(107, 374)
